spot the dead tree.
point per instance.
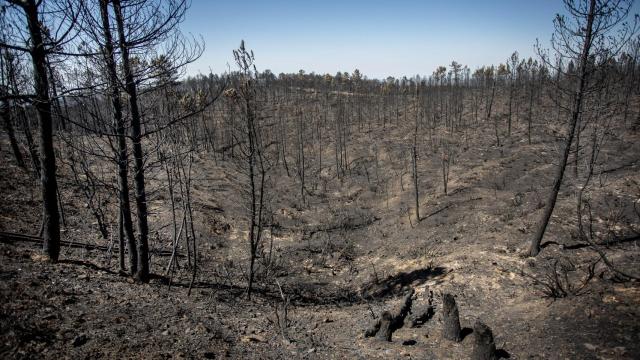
(490, 75)
(450, 319)
(590, 22)
(142, 273)
(125, 222)
(39, 49)
(414, 157)
(139, 65)
(253, 162)
(156, 23)
(512, 65)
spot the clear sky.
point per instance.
(381, 38)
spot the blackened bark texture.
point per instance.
(138, 155)
(575, 114)
(42, 103)
(422, 313)
(450, 319)
(484, 347)
(391, 321)
(125, 222)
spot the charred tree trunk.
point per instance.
(450, 319)
(136, 135)
(530, 111)
(42, 103)
(414, 157)
(391, 321)
(575, 114)
(125, 220)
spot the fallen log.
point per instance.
(10, 238)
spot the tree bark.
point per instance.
(125, 223)
(136, 135)
(391, 321)
(42, 103)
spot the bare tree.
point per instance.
(254, 157)
(578, 37)
(43, 42)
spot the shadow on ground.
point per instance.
(394, 285)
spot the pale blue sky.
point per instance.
(381, 38)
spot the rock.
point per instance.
(619, 350)
(69, 301)
(80, 340)
(250, 329)
(201, 328)
(253, 338)
(49, 316)
(38, 258)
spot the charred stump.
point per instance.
(391, 321)
(450, 319)
(421, 314)
(484, 347)
(386, 326)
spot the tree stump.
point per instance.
(484, 348)
(391, 321)
(421, 314)
(386, 327)
(450, 319)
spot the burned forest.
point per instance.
(476, 211)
